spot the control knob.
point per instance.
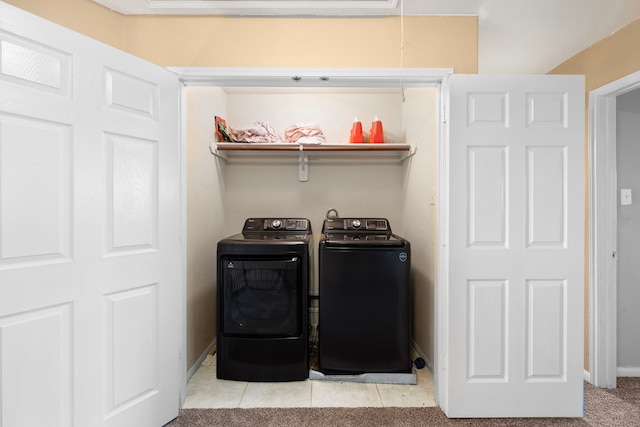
(356, 223)
(276, 223)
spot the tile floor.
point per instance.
(206, 391)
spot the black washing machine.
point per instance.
(263, 313)
(364, 298)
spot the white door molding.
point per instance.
(603, 228)
(441, 384)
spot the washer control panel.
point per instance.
(375, 225)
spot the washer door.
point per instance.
(261, 297)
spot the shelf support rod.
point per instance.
(303, 165)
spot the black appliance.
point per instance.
(262, 299)
(364, 298)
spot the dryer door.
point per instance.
(261, 296)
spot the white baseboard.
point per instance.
(587, 376)
(198, 362)
(419, 353)
(628, 371)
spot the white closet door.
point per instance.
(89, 231)
(516, 246)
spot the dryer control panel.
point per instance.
(276, 224)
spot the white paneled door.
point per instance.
(516, 246)
(89, 231)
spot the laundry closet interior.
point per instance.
(224, 186)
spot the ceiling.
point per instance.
(514, 36)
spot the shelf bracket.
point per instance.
(303, 165)
(411, 153)
(213, 147)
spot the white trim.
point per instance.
(628, 371)
(602, 241)
(310, 77)
(603, 228)
(417, 352)
(254, 7)
(186, 375)
(201, 359)
(620, 86)
(441, 316)
(587, 376)
(270, 4)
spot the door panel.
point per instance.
(25, 372)
(487, 190)
(546, 357)
(487, 330)
(131, 367)
(547, 197)
(37, 155)
(516, 246)
(132, 194)
(89, 231)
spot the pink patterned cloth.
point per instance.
(258, 132)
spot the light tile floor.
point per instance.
(206, 391)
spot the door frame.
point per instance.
(603, 228)
(371, 77)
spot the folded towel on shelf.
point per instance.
(305, 133)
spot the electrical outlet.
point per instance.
(625, 196)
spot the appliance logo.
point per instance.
(230, 265)
(403, 256)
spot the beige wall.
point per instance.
(430, 42)
(420, 119)
(205, 217)
(83, 16)
(184, 41)
(608, 60)
(604, 62)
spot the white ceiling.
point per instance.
(514, 36)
